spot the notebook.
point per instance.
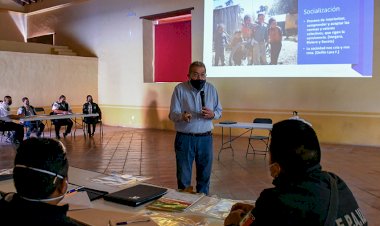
(136, 195)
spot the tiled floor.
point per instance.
(150, 153)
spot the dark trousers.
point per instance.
(275, 48)
(91, 121)
(63, 122)
(11, 126)
(219, 56)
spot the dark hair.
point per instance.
(62, 96)
(196, 64)
(41, 153)
(88, 96)
(294, 146)
(271, 20)
(260, 14)
(7, 97)
(246, 17)
(23, 99)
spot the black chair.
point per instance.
(251, 149)
(85, 127)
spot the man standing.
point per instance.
(6, 123)
(28, 110)
(194, 104)
(62, 107)
(90, 107)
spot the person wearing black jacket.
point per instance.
(40, 177)
(303, 194)
(91, 108)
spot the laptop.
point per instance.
(94, 194)
(136, 195)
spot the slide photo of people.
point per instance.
(255, 32)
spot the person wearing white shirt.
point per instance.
(6, 123)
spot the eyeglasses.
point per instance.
(195, 75)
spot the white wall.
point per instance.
(43, 78)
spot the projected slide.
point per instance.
(288, 38)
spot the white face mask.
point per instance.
(46, 172)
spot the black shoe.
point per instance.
(57, 137)
(65, 134)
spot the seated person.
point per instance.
(6, 123)
(40, 178)
(303, 194)
(62, 107)
(28, 110)
(91, 108)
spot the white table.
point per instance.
(239, 125)
(59, 116)
(46, 117)
(83, 178)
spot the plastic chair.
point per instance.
(263, 138)
(85, 127)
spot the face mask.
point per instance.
(197, 84)
(45, 200)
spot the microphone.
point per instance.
(203, 98)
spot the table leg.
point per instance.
(228, 143)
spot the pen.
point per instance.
(132, 222)
(74, 189)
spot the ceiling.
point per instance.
(25, 2)
(28, 6)
(10, 5)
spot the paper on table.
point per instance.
(139, 220)
(216, 207)
(97, 217)
(77, 201)
(119, 179)
(183, 196)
